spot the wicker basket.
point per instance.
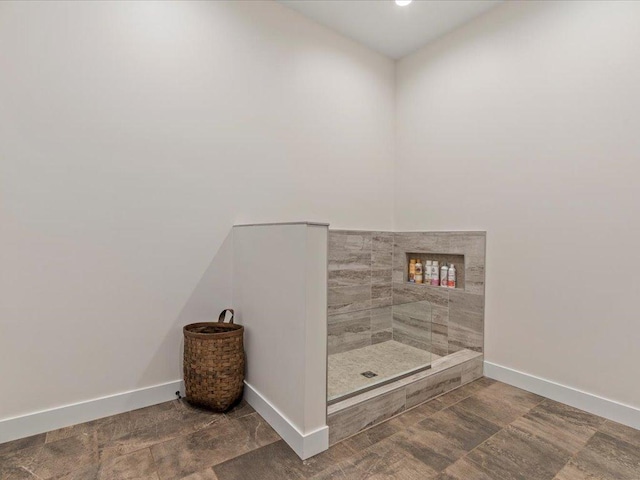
(214, 363)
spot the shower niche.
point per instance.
(393, 344)
(442, 259)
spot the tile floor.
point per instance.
(485, 430)
(387, 359)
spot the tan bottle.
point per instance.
(419, 275)
(412, 270)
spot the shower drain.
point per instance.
(369, 374)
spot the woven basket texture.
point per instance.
(214, 363)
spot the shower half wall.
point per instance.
(426, 339)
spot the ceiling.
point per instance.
(387, 28)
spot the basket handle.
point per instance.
(224, 314)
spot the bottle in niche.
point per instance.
(426, 274)
(451, 277)
(444, 275)
(419, 275)
(412, 270)
(435, 271)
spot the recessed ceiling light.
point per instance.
(403, 3)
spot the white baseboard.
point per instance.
(588, 402)
(305, 445)
(59, 417)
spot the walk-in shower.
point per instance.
(394, 340)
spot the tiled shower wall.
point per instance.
(360, 291)
(368, 274)
(457, 315)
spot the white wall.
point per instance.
(525, 123)
(133, 135)
(280, 291)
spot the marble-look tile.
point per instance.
(381, 302)
(441, 439)
(440, 315)
(348, 278)
(425, 242)
(349, 251)
(168, 415)
(382, 291)
(472, 370)
(348, 299)
(241, 409)
(466, 321)
(343, 243)
(381, 336)
(416, 414)
(54, 459)
(467, 244)
(512, 455)
(409, 293)
(604, 458)
(22, 443)
(439, 339)
(71, 431)
(275, 461)
(382, 462)
(138, 465)
(564, 427)
(207, 474)
(474, 274)
(349, 331)
(433, 385)
(354, 419)
(208, 447)
(501, 403)
(412, 324)
(381, 277)
(184, 420)
(382, 250)
(463, 469)
(381, 319)
(371, 436)
(621, 432)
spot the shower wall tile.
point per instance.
(412, 325)
(348, 278)
(367, 271)
(381, 336)
(382, 291)
(457, 315)
(349, 331)
(410, 292)
(466, 321)
(381, 276)
(381, 319)
(359, 279)
(349, 299)
(439, 339)
(382, 250)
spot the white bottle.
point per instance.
(427, 272)
(451, 277)
(435, 271)
(444, 273)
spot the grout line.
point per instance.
(489, 438)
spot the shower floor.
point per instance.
(387, 360)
